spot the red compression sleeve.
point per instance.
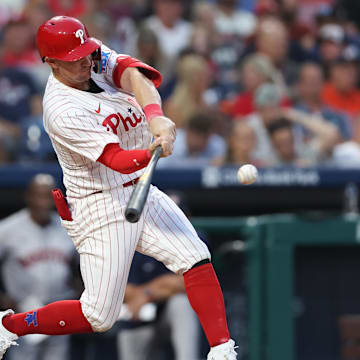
(124, 161)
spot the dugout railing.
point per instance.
(270, 248)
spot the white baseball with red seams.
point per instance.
(247, 174)
(80, 124)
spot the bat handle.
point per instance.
(156, 155)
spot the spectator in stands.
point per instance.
(256, 70)
(173, 32)
(36, 13)
(241, 144)
(19, 98)
(314, 150)
(17, 48)
(331, 42)
(205, 36)
(9, 10)
(272, 40)
(75, 8)
(309, 99)
(170, 317)
(230, 21)
(302, 39)
(232, 27)
(267, 102)
(346, 155)
(194, 77)
(341, 91)
(267, 109)
(36, 256)
(283, 141)
(196, 145)
(148, 49)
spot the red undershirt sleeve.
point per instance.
(124, 161)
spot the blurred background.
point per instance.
(274, 83)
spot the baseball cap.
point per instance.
(332, 32)
(351, 54)
(347, 154)
(267, 95)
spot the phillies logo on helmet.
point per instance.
(80, 34)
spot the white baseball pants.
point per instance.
(107, 242)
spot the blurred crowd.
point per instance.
(268, 82)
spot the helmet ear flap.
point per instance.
(96, 58)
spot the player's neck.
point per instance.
(85, 85)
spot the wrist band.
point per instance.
(152, 110)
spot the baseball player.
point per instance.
(36, 265)
(101, 111)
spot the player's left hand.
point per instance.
(164, 131)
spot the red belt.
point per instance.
(131, 182)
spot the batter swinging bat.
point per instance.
(138, 197)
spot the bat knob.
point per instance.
(132, 215)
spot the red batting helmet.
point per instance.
(65, 38)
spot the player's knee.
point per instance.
(103, 327)
(100, 325)
(101, 318)
(202, 258)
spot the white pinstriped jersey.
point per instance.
(80, 124)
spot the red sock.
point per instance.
(206, 298)
(58, 318)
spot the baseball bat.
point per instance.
(139, 195)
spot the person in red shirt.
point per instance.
(341, 92)
(256, 70)
(17, 45)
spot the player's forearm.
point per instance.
(162, 287)
(124, 161)
(143, 88)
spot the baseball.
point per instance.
(247, 174)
